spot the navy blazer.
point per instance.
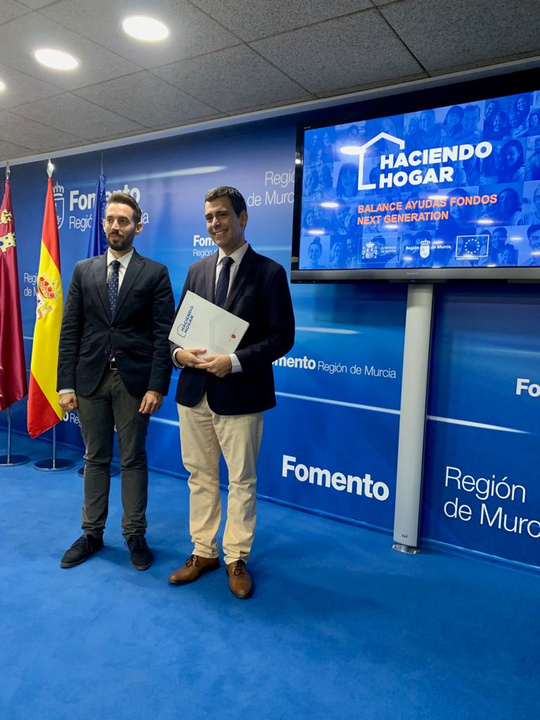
(137, 334)
(259, 294)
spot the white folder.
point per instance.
(201, 324)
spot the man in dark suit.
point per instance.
(222, 398)
(114, 368)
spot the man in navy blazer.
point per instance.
(114, 368)
(221, 398)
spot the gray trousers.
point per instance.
(109, 406)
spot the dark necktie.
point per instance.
(112, 285)
(222, 287)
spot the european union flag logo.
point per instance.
(471, 247)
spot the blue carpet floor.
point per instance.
(340, 626)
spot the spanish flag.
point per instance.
(43, 409)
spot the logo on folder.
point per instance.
(183, 327)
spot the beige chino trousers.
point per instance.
(204, 436)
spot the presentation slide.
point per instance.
(455, 187)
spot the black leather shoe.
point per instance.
(141, 556)
(81, 550)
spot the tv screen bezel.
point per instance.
(415, 100)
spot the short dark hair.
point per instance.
(472, 108)
(235, 196)
(125, 199)
(532, 229)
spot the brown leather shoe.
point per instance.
(240, 580)
(193, 569)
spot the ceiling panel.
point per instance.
(192, 32)
(10, 150)
(10, 9)
(78, 117)
(21, 88)
(249, 80)
(255, 19)
(37, 136)
(148, 100)
(460, 34)
(342, 54)
(19, 38)
(36, 4)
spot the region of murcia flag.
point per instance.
(43, 409)
(12, 365)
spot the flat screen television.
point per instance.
(431, 193)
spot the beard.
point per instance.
(119, 242)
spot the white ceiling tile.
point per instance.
(341, 54)
(116, 136)
(9, 151)
(21, 88)
(77, 117)
(148, 100)
(255, 19)
(18, 40)
(192, 32)
(35, 135)
(446, 35)
(10, 9)
(249, 80)
(36, 4)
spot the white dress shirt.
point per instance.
(124, 262)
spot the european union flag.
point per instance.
(97, 243)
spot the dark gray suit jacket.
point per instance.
(259, 294)
(137, 334)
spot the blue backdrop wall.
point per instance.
(331, 444)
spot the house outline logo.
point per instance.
(362, 152)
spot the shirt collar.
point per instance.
(124, 260)
(237, 255)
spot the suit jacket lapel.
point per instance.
(243, 274)
(211, 279)
(100, 274)
(133, 269)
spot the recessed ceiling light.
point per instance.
(145, 28)
(2, 85)
(56, 59)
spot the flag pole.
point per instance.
(10, 460)
(53, 463)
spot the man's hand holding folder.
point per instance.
(206, 334)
